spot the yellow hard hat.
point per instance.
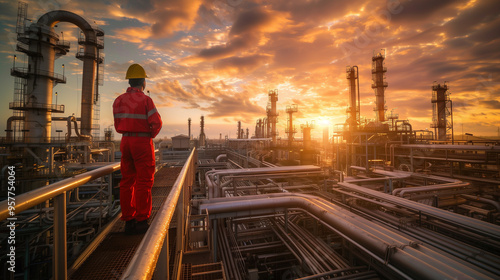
(135, 71)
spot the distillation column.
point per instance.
(240, 132)
(41, 43)
(202, 138)
(290, 130)
(272, 114)
(354, 104)
(306, 134)
(379, 84)
(89, 57)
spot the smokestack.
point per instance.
(239, 131)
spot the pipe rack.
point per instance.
(413, 258)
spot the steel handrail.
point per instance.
(32, 198)
(57, 191)
(153, 248)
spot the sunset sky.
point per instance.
(219, 58)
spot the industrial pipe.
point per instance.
(72, 119)
(495, 204)
(213, 177)
(487, 229)
(402, 191)
(413, 258)
(9, 126)
(221, 156)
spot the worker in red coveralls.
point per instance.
(137, 119)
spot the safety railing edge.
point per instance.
(32, 198)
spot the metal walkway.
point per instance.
(112, 256)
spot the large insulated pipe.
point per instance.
(414, 259)
(495, 204)
(213, 177)
(402, 191)
(89, 60)
(487, 229)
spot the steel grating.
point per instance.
(110, 259)
(186, 272)
(112, 256)
(210, 271)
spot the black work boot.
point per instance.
(130, 227)
(141, 227)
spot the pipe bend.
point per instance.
(495, 204)
(53, 17)
(418, 261)
(219, 157)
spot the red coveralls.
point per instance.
(136, 118)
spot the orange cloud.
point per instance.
(132, 34)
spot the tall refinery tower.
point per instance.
(379, 84)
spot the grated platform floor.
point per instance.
(112, 256)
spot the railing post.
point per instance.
(180, 219)
(214, 239)
(163, 265)
(60, 252)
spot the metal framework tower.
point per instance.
(353, 111)
(272, 115)
(290, 130)
(442, 112)
(202, 139)
(379, 84)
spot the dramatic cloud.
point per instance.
(164, 16)
(218, 99)
(248, 32)
(219, 57)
